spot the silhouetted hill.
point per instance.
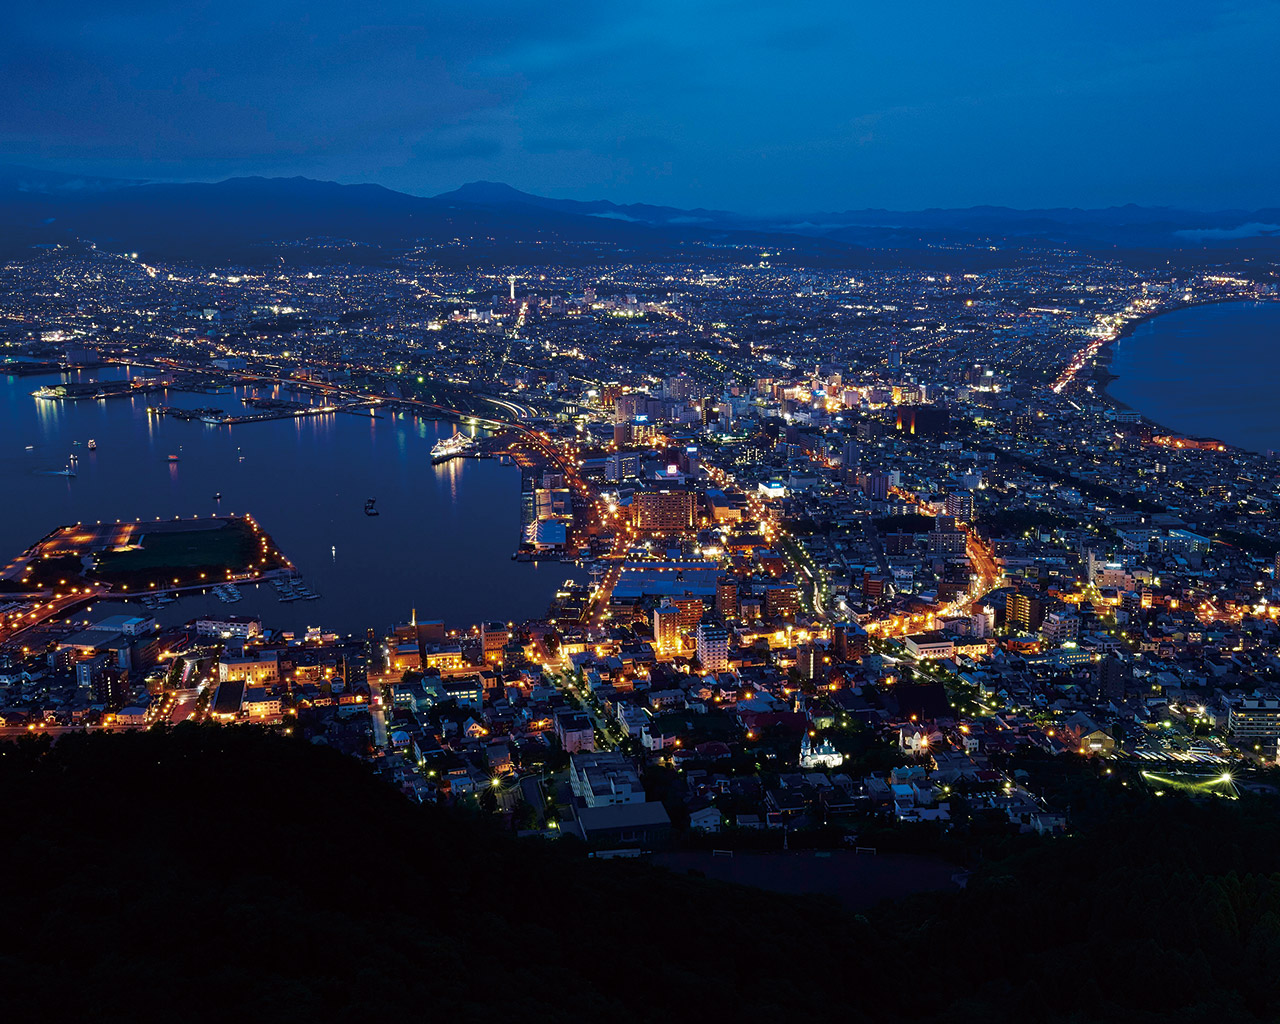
(261, 219)
(225, 874)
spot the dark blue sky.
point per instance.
(797, 105)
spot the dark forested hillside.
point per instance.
(222, 874)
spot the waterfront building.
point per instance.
(229, 627)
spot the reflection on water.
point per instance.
(442, 542)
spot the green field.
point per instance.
(169, 553)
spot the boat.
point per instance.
(100, 395)
(64, 472)
(173, 458)
(92, 444)
(451, 448)
(369, 510)
(217, 496)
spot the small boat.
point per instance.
(173, 458)
(369, 509)
(217, 496)
(64, 472)
(92, 445)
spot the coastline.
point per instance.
(1103, 378)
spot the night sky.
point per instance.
(740, 105)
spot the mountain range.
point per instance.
(255, 217)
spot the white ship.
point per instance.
(452, 447)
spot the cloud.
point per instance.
(745, 104)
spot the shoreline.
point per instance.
(1103, 378)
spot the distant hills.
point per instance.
(255, 217)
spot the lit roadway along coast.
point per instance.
(12, 625)
(38, 605)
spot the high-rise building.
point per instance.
(666, 628)
(494, 636)
(1023, 610)
(781, 601)
(877, 486)
(726, 598)
(713, 647)
(1060, 627)
(849, 641)
(960, 506)
(1112, 675)
(622, 466)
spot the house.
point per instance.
(705, 819)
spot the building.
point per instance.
(664, 511)
(781, 601)
(666, 628)
(1060, 627)
(130, 625)
(933, 644)
(1255, 719)
(713, 648)
(251, 669)
(959, 506)
(229, 627)
(645, 824)
(726, 598)
(822, 754)
(947, 542)
(1112, 675)
(604, 778)
(849, 641)
(494, 636)
(574, 731)
(622, 465)
(259, 703)
(1023, 610)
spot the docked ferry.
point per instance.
(451, 448)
